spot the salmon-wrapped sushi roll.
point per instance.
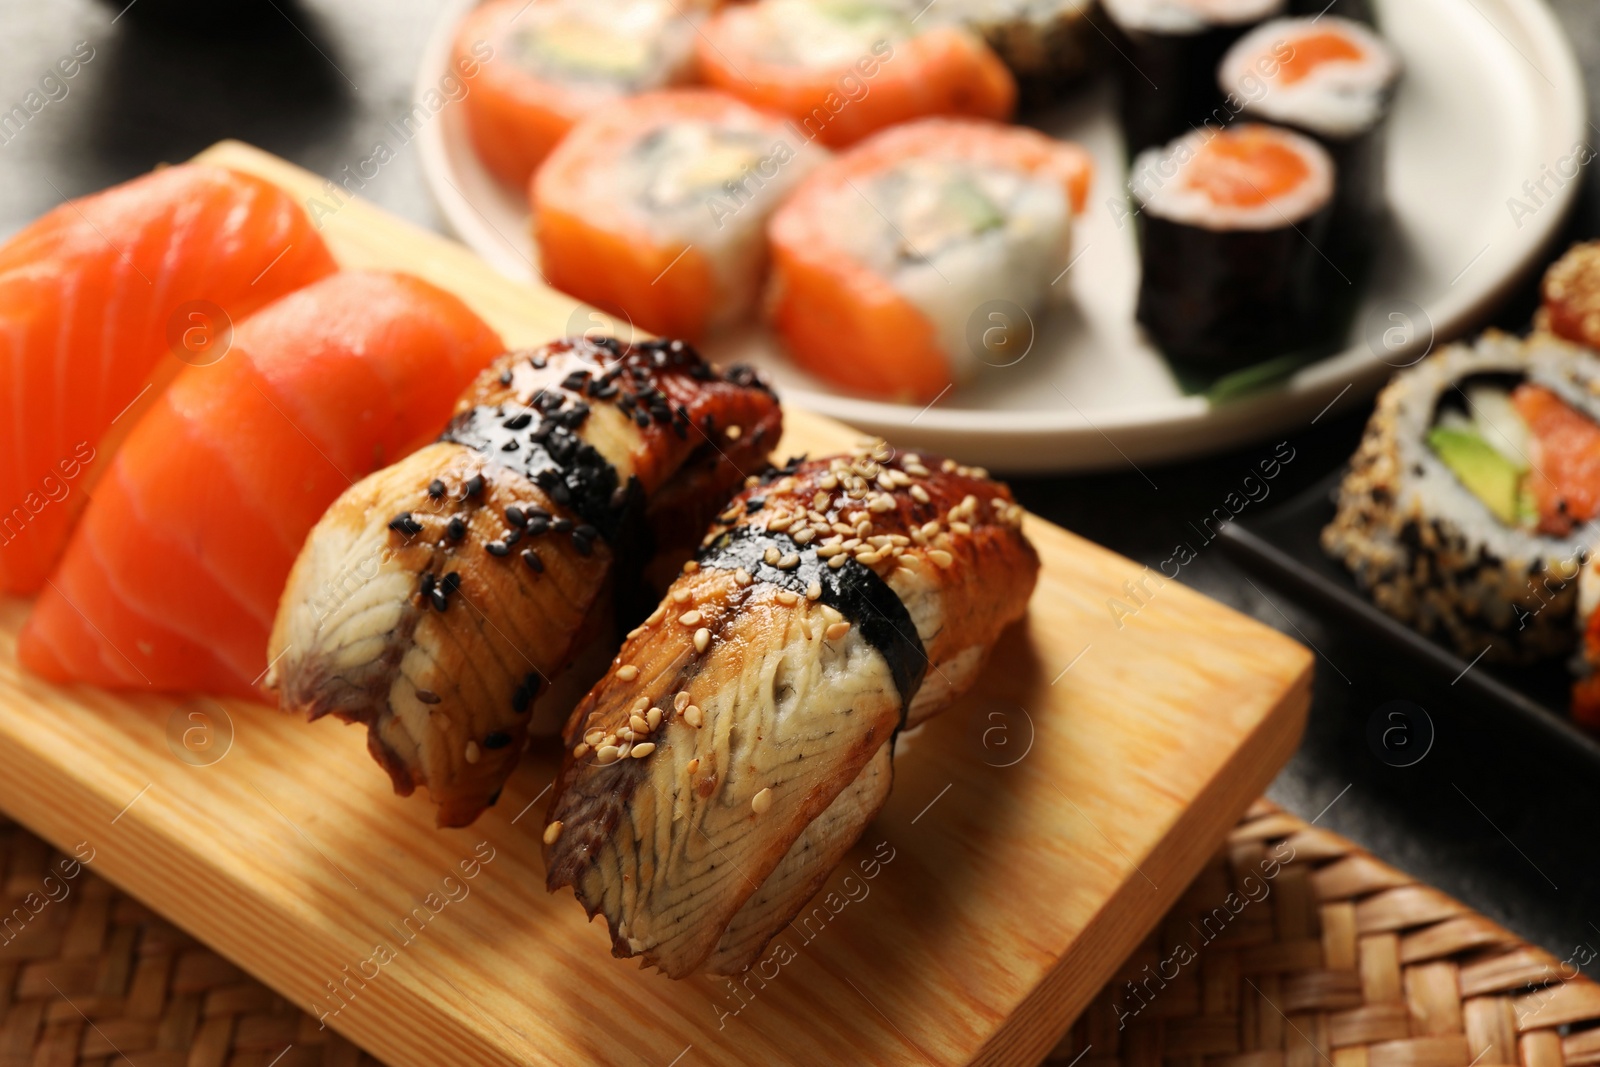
(657, 207)
(535, 67)
(883, 257)
(843, 69)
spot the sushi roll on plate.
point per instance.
(1470, 506)
(1332, 79)
(1167, 70)
(886, 259)
(1230, 235)
(1571, 291)
(845, 68)
(657, 207)
(1045, 43)
(540, 65)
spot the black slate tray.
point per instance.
(1282, 546)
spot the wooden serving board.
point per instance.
(1034, 835)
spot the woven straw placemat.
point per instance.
(1320, 957)
(1294, 948)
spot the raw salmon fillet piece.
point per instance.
(172, 578)
(91, 296)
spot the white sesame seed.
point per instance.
(761, 803)
(960, 528)
(814, 591)
(836, 631)
(742, 576)
(911, 459)
(948, 465)
(680, 596)
(867, 558)
(881, 503)
(656, 615)
(980, 472)
(641, 703)
(680, 701)
(694, 765)
(787, 599)
(627, 672)
(625, 733)
(941, 557)
(838, 561)
(780, 523)
(771, 555)
(637, 631)
(690, 566)
(829, 483)
(919, 494)
(595, 736)
(653, 718)
(694, 716)
(789, 562)
(580, 749)
(830, 550)
(623, 750)
(733, 433)
(930, 528)
(641, 751)
(472, 752)
(552, 833)
(690, 618)
(702, 639)
(638, 725)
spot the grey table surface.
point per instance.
(1492, 815)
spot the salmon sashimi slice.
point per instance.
(462, 600)
(1565, 459)
(94, 296)
(742, 738)
(172, 578)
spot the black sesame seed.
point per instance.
(473, 486)
(642, 419)
(537, 525)
(436, 489)
(539, 362)
(583, 545)
(619, 496)
(536, 513)
(505, 377)
(427, 696)
(497, 739)
(531, 558)
(403, 523)
(562, 526)
(452, 582)
(426, 587)
(512, 536)
(516, 516)
(457, 529)
(522, 699)
(575, 381)
(585, 531)
(519, 421)
(498, 548)
(510, 446)
(441, 599)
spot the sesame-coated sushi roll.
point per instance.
(1472, 502)
(743, 737)
(884, 258)
(1168, 67)
(541, 65)
(1230, 228)
(1333, 80)
(842, 69)
(657, 207)
(1571, 294)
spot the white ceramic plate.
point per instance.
(1492, 98)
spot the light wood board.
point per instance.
(1037, 831)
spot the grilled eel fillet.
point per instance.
(741, 740)
(438, 599)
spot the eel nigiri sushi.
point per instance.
(742, 738)
(842, 69)
(92, 298)
(437, 600)
(541, 65)
(658, 207)
(172, 578)
(885, 256)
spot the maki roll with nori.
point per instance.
(1470, 506)
(657, 207)
(1230, 227)
(1332, 79)
(1047, 44)
(902, 264)
(1170, 51)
